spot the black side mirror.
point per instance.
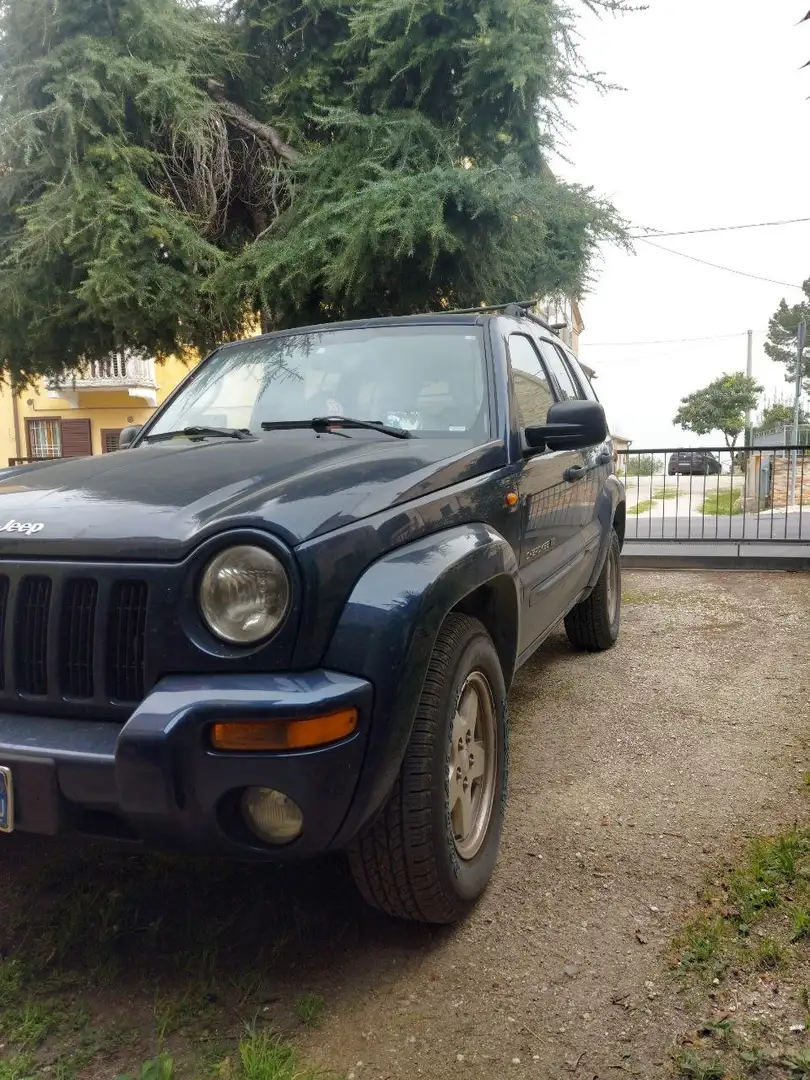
(570, 425)
(128, 436)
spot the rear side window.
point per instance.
(584, 381)
(532, 391)
(560, 371)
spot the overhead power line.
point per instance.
(718, 228)
(717, 266)
(665, 341)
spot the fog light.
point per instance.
(272, 815)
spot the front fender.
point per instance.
(609, 509)
(388, 628)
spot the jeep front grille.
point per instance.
(31, 634)
(127, 639)
(68, 637)
(78, 638)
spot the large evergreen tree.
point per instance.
(782, 341)
(168, 169)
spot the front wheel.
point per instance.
(430, 852)
(594, 624)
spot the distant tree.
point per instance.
(782, 337)
(780, 414)
(642, 464)
(720, 406)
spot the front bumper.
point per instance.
(157, 779)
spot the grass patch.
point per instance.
(773, 883)
(750, 939)
(641, 508)
(309, 1009)
(262, 1057)
(689, 1065)
(722, 504)
(16, 1068)
(798, 1065)
(646, 505)
(157, 1068)
(149, 967)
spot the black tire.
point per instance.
(594, 624)
(406, 861)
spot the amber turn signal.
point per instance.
(264, 735)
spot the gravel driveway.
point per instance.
(633, 772)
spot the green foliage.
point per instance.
(265, 1057)
(779, 414)
(643, 464)
(689, 1065)
(720, 406)
(309, 1009)
(158, 1068)
(95, 97)
(158, 188)
(781, 344)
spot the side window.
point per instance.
(559, 369)
(584, 381)
(532, 390)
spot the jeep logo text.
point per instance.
(27, 527)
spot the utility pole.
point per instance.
(801, 338)
(749, 370)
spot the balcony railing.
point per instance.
(115, 371)
(134, 374)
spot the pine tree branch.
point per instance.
(242, 119)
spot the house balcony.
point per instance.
(134, 376)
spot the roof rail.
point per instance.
(521, 310)
(517, 309)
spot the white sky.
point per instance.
(711, 129)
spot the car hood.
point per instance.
(158, 501)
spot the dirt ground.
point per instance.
(633, 774)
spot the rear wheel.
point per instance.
(594, 624)
(430, 852)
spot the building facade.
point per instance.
(85, 415)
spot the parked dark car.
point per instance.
(694, 462)
(284, 619)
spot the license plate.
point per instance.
(6, 800)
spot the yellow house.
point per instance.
(85, 414)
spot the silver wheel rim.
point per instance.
(613, 587)
(472, 769)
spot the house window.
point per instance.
(56, 438)
(45, 438)
(109, 440)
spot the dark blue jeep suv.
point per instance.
(284, 618)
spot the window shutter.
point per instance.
(76, 440)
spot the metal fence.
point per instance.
(757, 495)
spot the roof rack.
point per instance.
(515, 308)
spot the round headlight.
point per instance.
(244, 594)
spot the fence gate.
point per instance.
(697, 506)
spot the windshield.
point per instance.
(426, 379)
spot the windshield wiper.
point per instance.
(201, 433)
(322, 424)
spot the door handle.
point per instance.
(576, 472)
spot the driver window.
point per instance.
(532, 390)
